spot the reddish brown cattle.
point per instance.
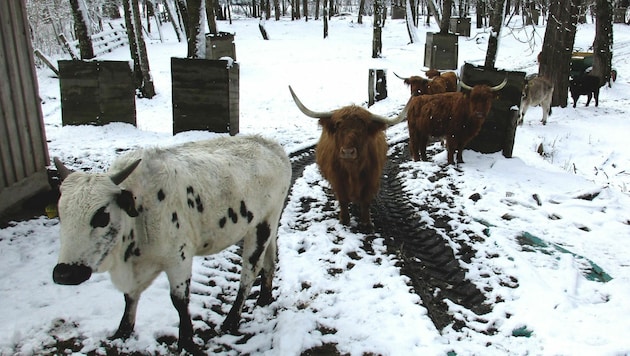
(350, 154)
(421, 86)
(448, 78)
(455, 116)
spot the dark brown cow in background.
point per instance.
(351, 153)
(422, 86)
(448, 78)
(455, 116)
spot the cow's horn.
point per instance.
(63, 171)
(122, 175)
(494, 88)
(306, 111)
(403, 78)
(500, 86)
(393, 121)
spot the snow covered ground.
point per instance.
(369, 307)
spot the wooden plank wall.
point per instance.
(205, 95)
(23, 149)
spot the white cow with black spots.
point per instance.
(156, 208)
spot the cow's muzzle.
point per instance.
(74, 274)
(348, 153)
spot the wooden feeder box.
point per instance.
(220, 45)
(499, 129)
(96, 92)
(205, 95)
(460, 26)
(441, 51)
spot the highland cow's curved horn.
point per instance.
(122, 175)
(500, 86)
(63, 171)
(399, 77)
(392, 121)
(306, 111)
(494, 88)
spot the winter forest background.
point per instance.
(191, 19)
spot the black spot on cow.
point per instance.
(232, 215)
(132, 250)
(100, 218)
(222, 222)
(191, 203)
(246, 213)
(161, 195)
(263, 231)
(190, 190)
(129, 236)
(199, 204)
(181, 252)
(175, 219)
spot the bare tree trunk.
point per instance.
(496, 22)
(173, 20)
(377, 44)
(446, 15)
(555, 58)
(602, 46)
(133, 44)
(325, 15)
(79, 12)
(183, 11)
(147, 89)
(411, 29)
(194, 28)
(361, 11)
(211, 17)
(276, 9)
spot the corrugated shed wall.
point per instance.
(23, 149)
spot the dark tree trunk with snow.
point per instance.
(183, 11)
(325, 15)
(361, 11)
(377, 44)
(446, 15)
(555, 58)
(496, 22)
(194, 27)
(602, 46)
(147, 89)
(86, 50)
(211, 17)
(133, 44)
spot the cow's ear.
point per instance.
(127, 203)
(328, 124)
(376, 126)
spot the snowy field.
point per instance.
(556, 308)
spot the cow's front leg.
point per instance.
(179, 280)
(128, 319)
(365, 225)
(344, 212)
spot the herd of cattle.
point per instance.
(156, 208)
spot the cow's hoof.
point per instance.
(190, 347)
(366, 228)
(230, 326)
(121, 334)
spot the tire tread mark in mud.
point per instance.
(426, 258)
